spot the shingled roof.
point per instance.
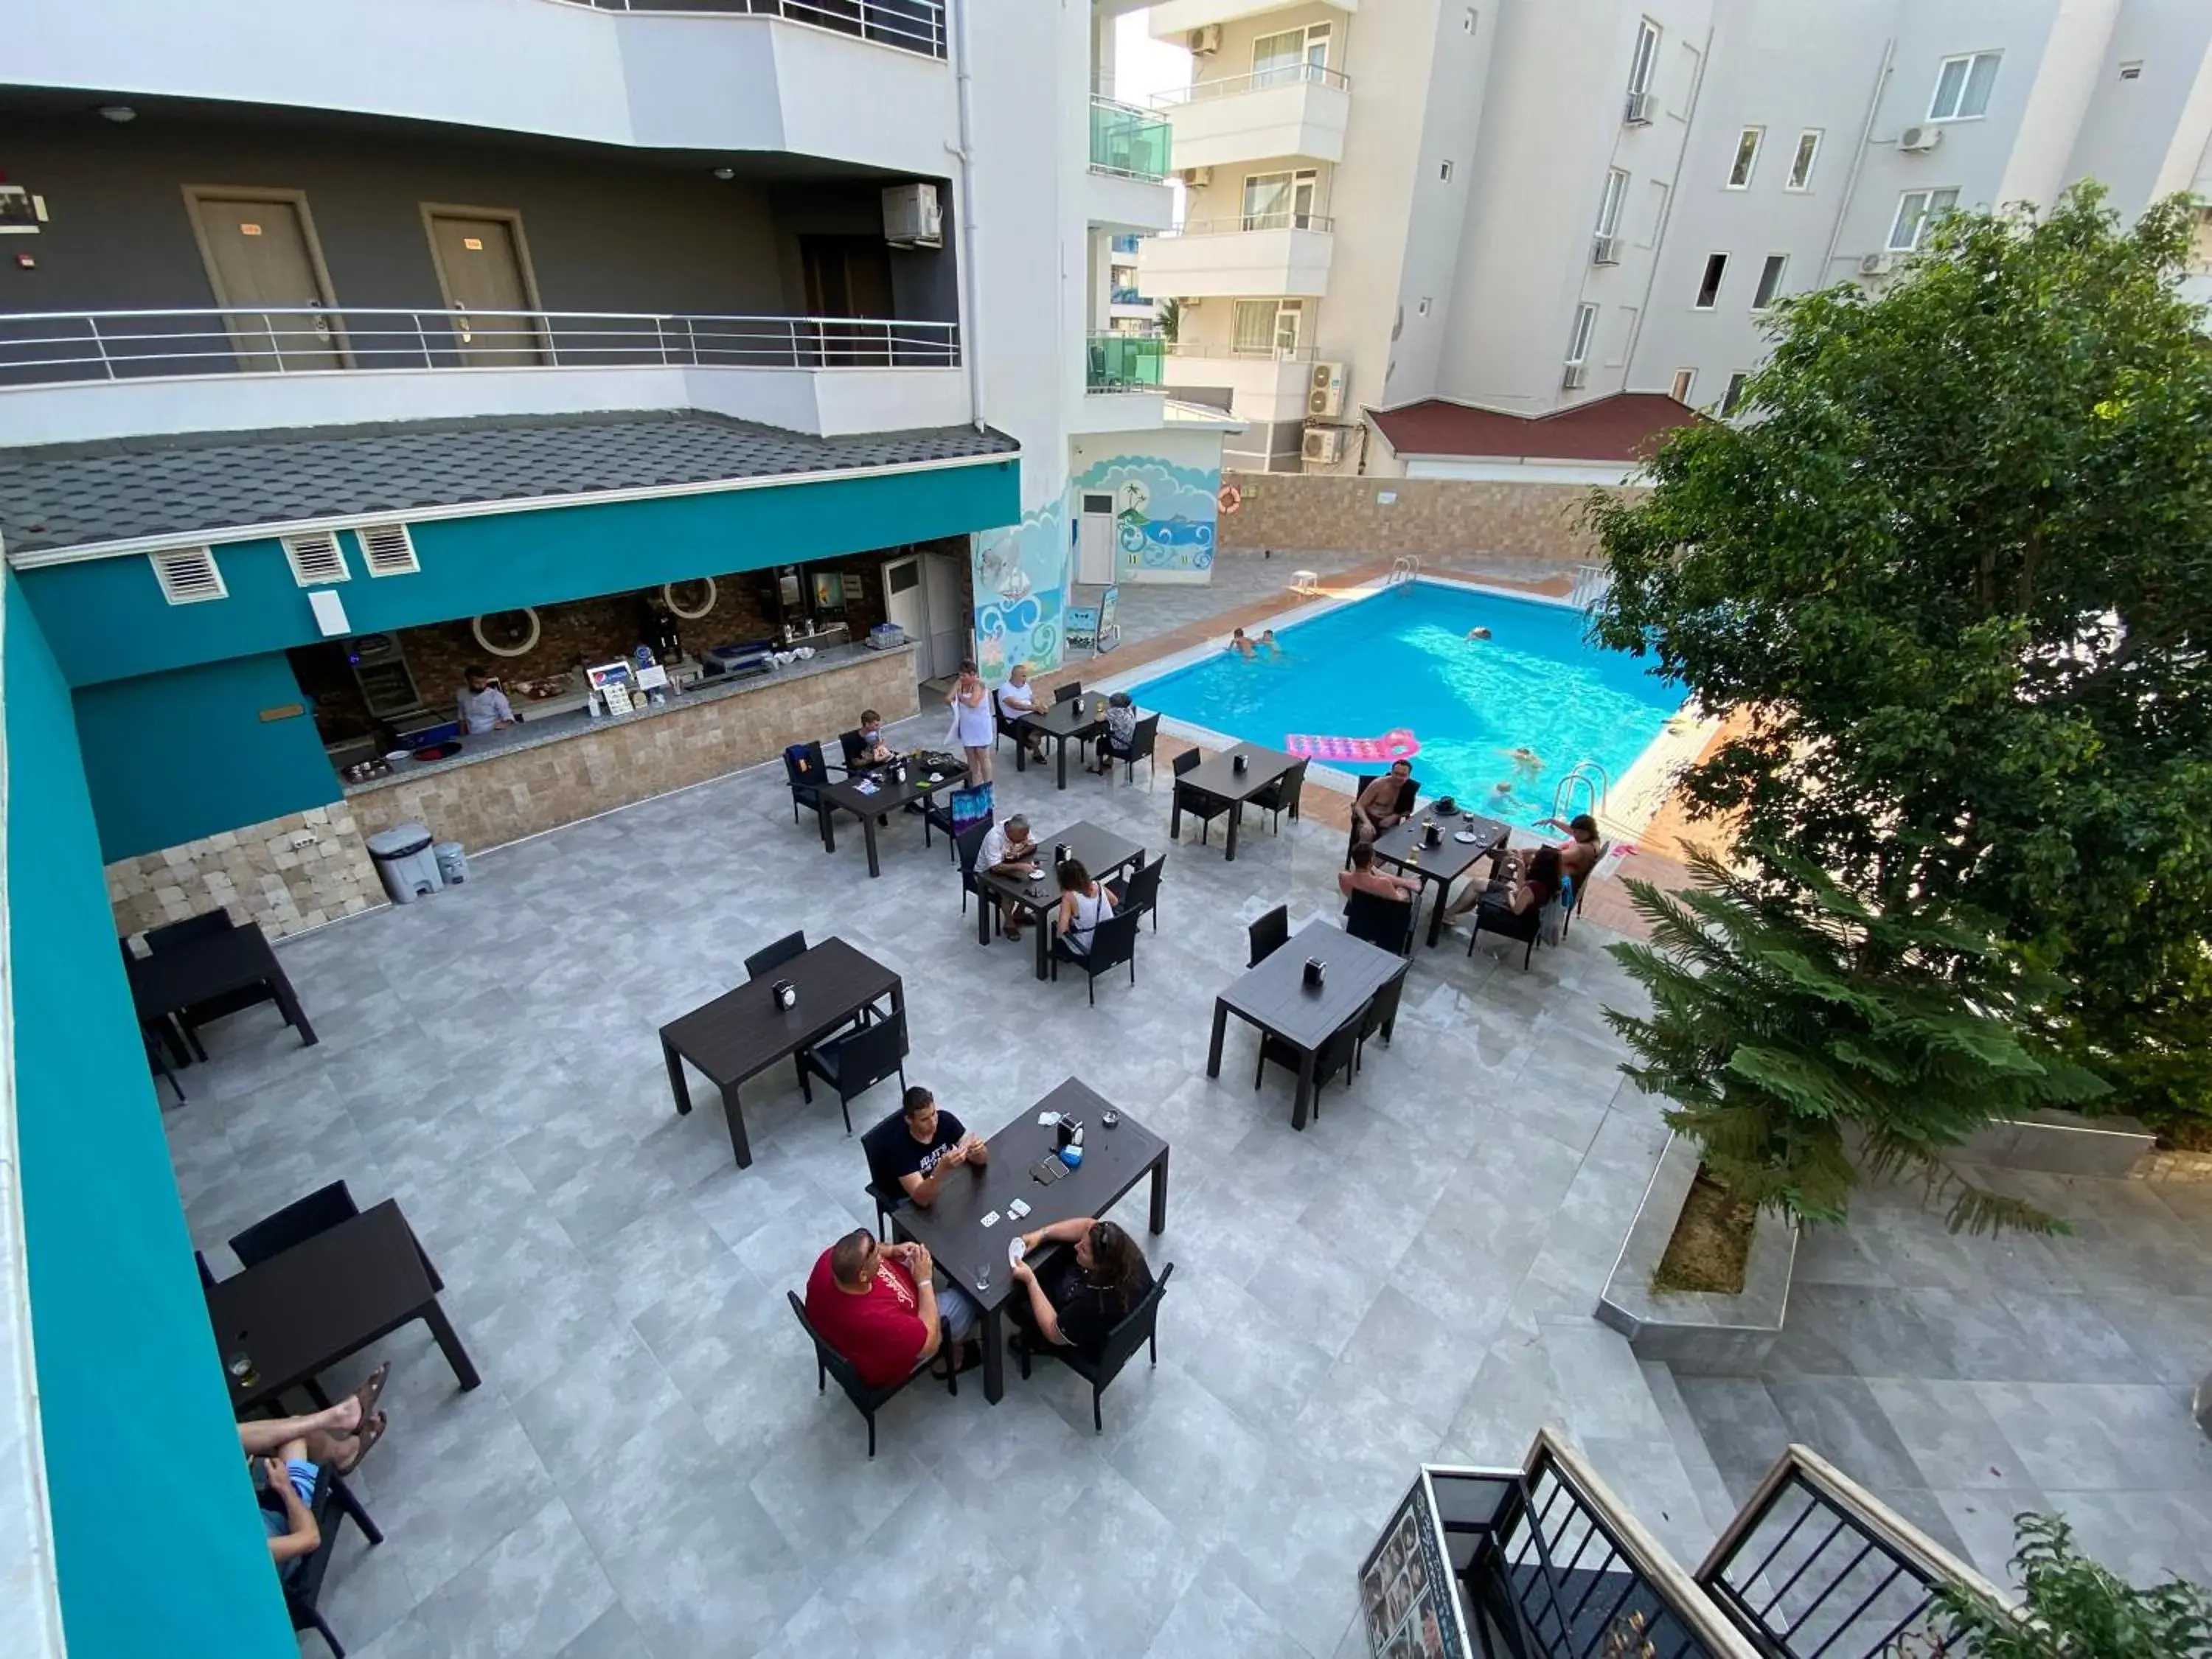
(1623, 428)
(226, 486)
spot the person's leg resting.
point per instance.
(262, 1438)
(956, 1311)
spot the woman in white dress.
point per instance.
(973, 728)
(1083, 903)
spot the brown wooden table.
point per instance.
(306, 1309)
(888, 796)
(1441, 866)
(1113, 1161)
(1078, 717)
(1098, 850)
(1275, 997)
(1220, 778)
(741, 1033)
(196, 970)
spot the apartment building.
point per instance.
(333, 355)
(1533, 202)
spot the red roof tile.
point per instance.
(1622, 428)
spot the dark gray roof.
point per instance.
(222, 485)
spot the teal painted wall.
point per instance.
(171, 757)
(106, 620)
(156, 1542)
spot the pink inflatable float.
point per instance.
(1395, 745)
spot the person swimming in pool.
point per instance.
(1267, 643)
(1527, 763)
(1241, 645)
(1474, 633)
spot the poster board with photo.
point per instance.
(1409, 1604)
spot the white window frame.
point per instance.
(1720, 282)
(1288, 318)
(1732, 397)
(1929, 207)
(1967, 63)
(1763, 295)
(1580, 336)
(1804, 158)
(1643, 62)
(1310, 177)
(1739, 162)
(1612, 201)
(1288, 74)
(1685, 385)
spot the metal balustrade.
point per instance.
(1257, 355)
(1281, 218)
(42, 347)
(1232, 86)
(917, 25)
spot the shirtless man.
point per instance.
(1240, 645)
(1364, 878)
(1377, 809)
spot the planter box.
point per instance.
(2061, 1143)
(1693, 1331)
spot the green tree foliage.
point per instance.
(1785, 1013)
(2075, 1609)
(1956, 570)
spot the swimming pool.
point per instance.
(1401, 659)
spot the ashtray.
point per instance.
(1466, 836)
(937, 777)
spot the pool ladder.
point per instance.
(1591, 582)
(1585, 775)
(1403, 568)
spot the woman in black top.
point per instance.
(1084, 1297)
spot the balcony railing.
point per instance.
(42, 346)
(1243, 353)
(1126, 296)
(1285, 219)
(1232, 85)
(1124, 362)
(1128, 142)
(1127, 243)
(910, 25)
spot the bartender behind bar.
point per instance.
(483, 707)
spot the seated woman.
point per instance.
(1081, 1298)
(1120, 732)
(1529, 882)
(1083, 903)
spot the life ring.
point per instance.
(529, 641)
(668, 600)
(1230, 498)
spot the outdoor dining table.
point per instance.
(306, 1309)
(1078, 717)
(870, 794)
(1100, 851)
(1275, 997)
(967, 1229)
(196, 970)
(1440, 865)
(1220, 778)
(741, 1033)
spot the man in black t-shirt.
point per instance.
(935, 1144)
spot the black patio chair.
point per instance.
(1269, 934)
(1407, 797)
(1196, 802)
(776, 955)
(1338, 1051)
(1141, 741)
(1113, 942)
(1139, 895)
(1382, 921)
(828, 1363)
(1382, 1016)
(159, 1061)
(191, 1018)
(1282, 796)
(1498, 919)
(333, 1502)
(876, 1145)
(966, 846)
(805, 771)
(1067, 693)
(856, 1062)
(1139, 1328)
(302, 1219)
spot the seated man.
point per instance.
(1364, 878)
(937, 1143)
(874, 752)
(293, 1451)
(1377, 807)
(1008, 851)
(1585, 848)
(1120, 732)
(1018, 697)
(878, 1306)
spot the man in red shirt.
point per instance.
(875, 1304)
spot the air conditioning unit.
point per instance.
(1325, 389)
(1204, 42)
(912, 217)
(1197, 178)
(1919, 140)
(1573, 379)
(1605, 250)
(1323, 446)
(1877, 264)
(1643, 109)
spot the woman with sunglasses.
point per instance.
(1084, 1295)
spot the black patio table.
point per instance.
(888, 795)
(1220, 778)
(1078, 717)
(741, 1033)
(1275, 997)
(198, 970)
(1441, 866)
(306, 1309)
(1113, 1161)
(1098, 850)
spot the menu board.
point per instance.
(1407, 1599)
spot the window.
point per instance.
(1266, 328)
(1746, 157)
(2132, 69)
(1732, 398)
(1422, 309)
(1646, 59)
(1445, 172)
(1770, 281)
(1801, 160)
(1962, 87)
(1914, 210)
(1609, 206)
(1579, 341)
(1686, 382)
(1280, 201)
(1709, 285)
(1290, 56)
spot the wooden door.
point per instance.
(262, 264)
(848, 277)
(485, 273)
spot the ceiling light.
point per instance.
(118, 113)
(726, 173)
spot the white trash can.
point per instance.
(405, 862)
(453, 862)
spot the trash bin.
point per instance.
(405, 862)
(453, 862)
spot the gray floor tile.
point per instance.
(531, 1594)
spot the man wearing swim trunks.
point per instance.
(1377, 807)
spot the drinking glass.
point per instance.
(983, 1277)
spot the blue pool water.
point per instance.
(1402, 658)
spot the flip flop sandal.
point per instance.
(372, 1431)
(370, 1391)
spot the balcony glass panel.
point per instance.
(1130, 142)
(1125, 362)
